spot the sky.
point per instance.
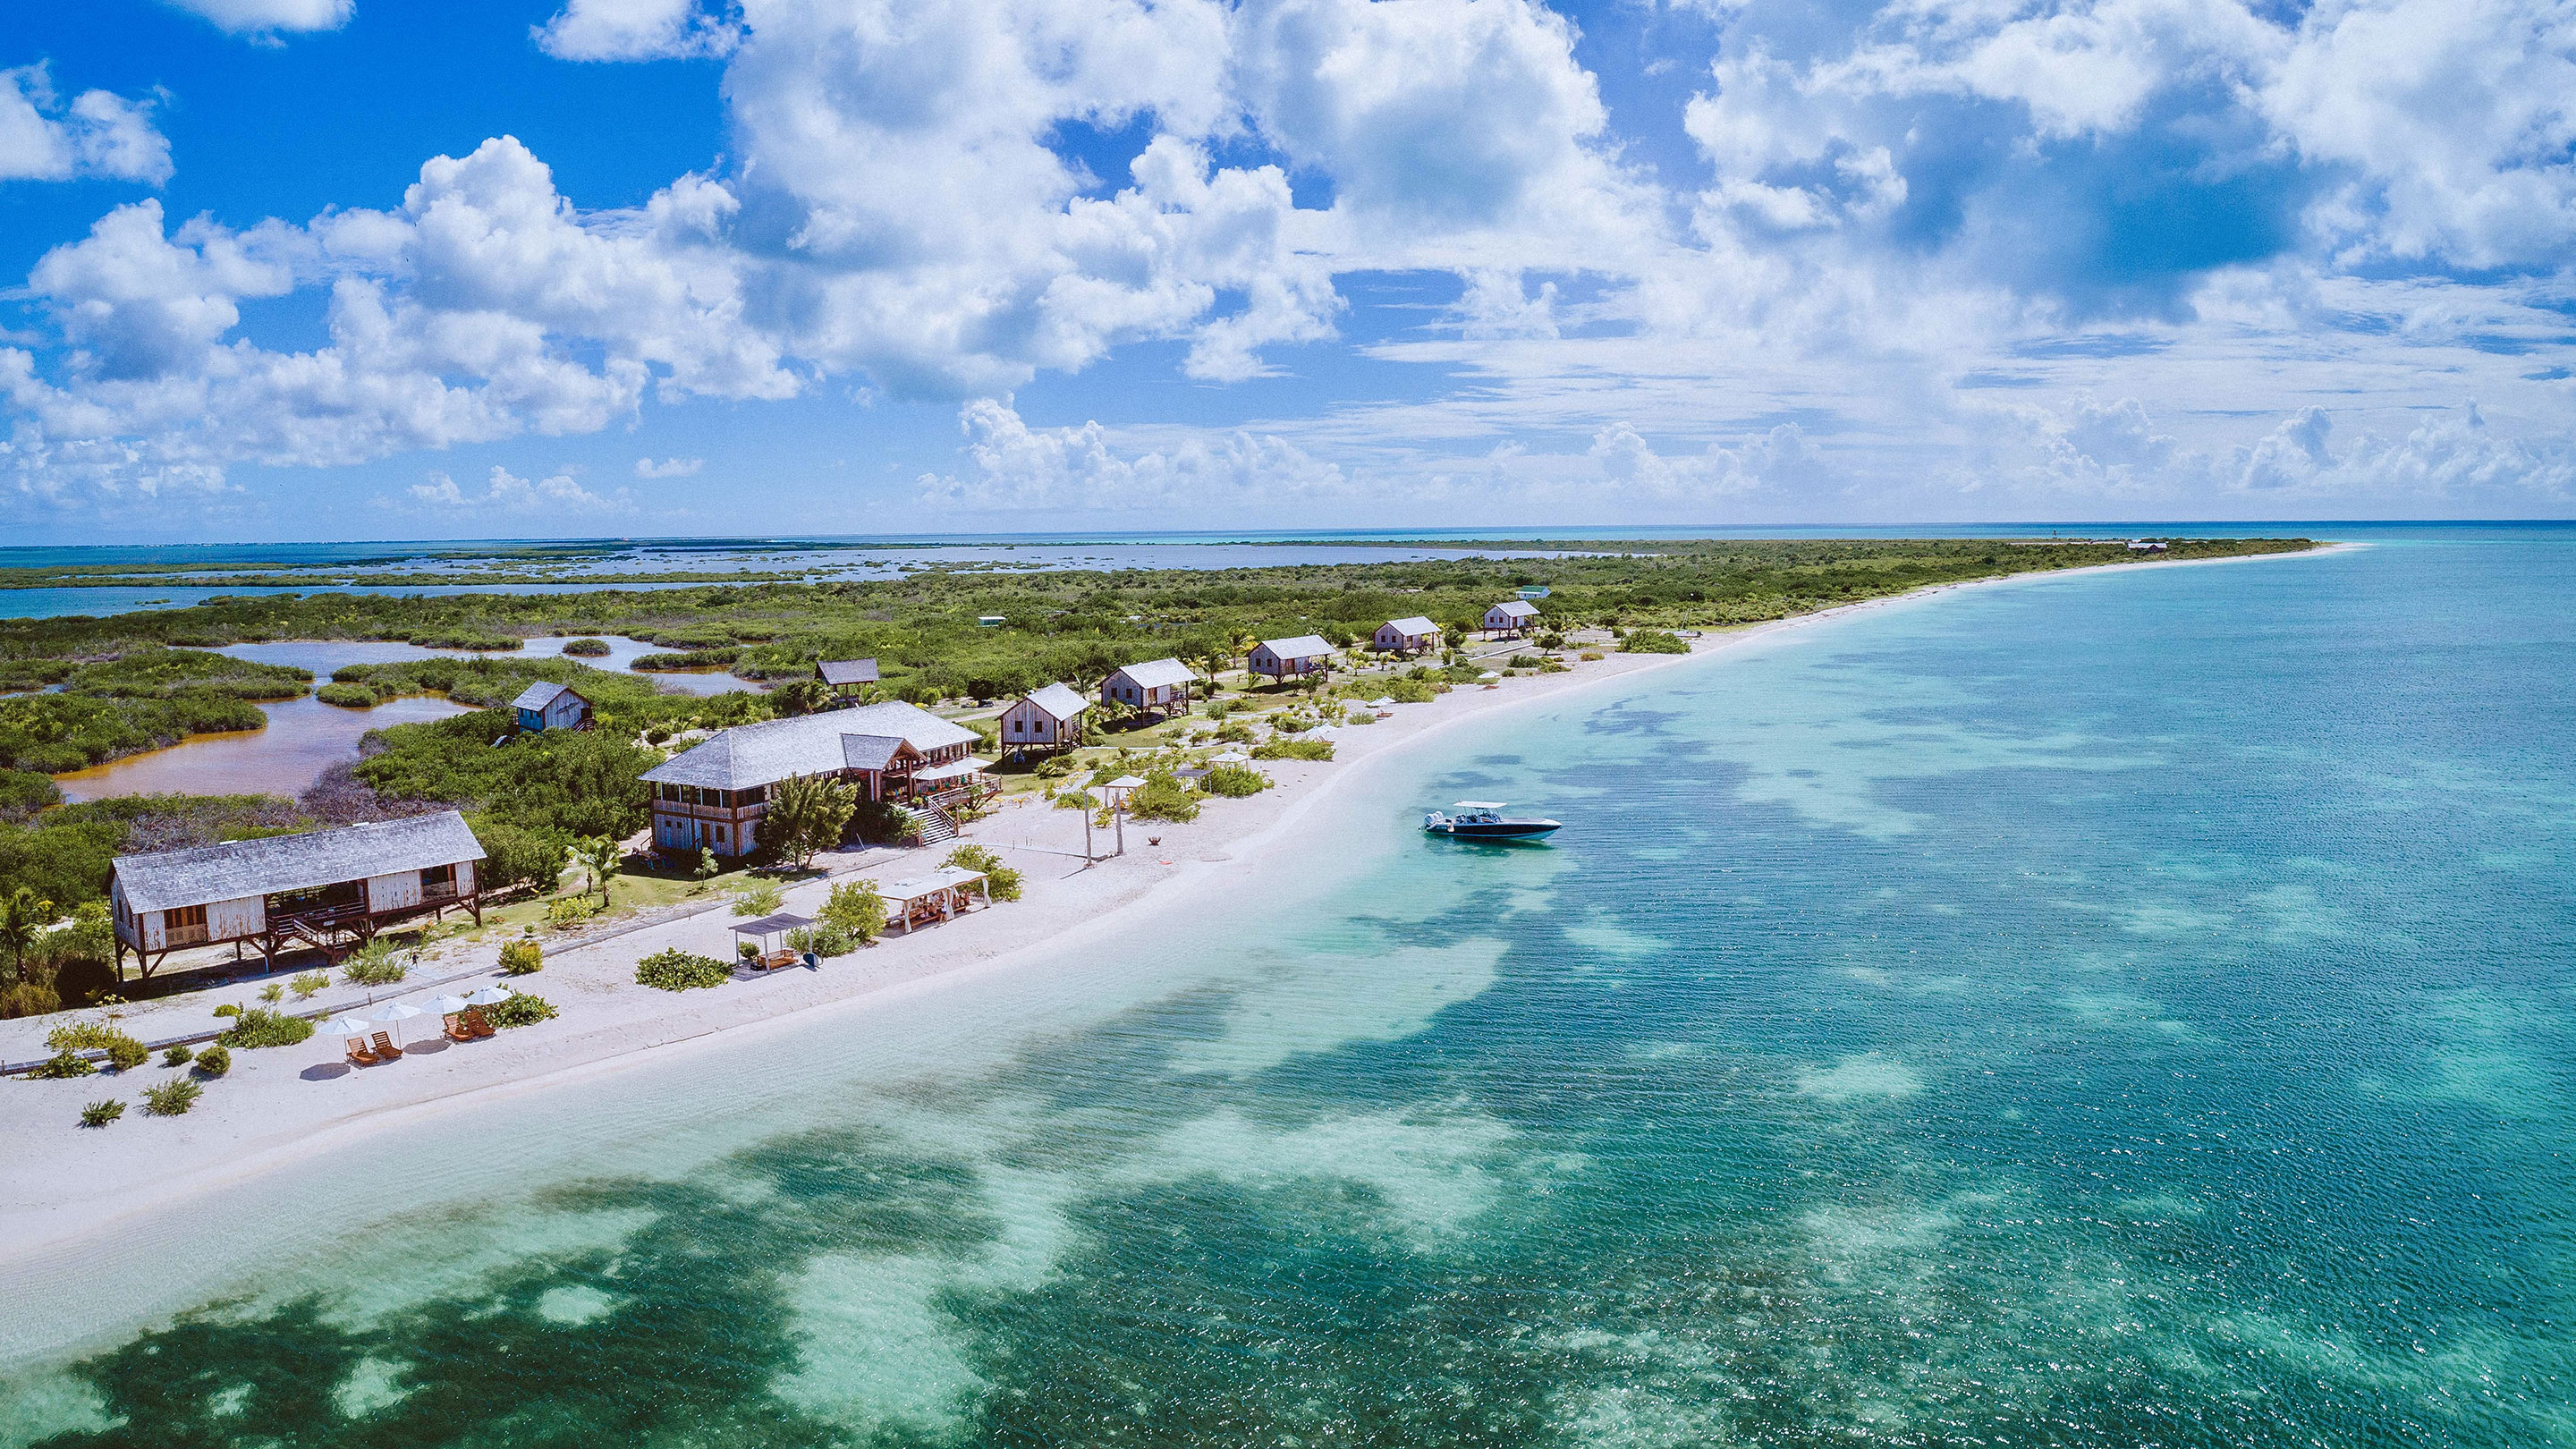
(316, 269)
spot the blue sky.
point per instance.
(351, 268)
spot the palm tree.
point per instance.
(23, 918)
(601, 859)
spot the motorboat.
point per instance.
(1484, 820)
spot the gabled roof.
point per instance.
(1515, 608)
(871, 752)
(773, 750)
(240, 868)
(1058, 701)
(1415, 625)
(1156, 674)
(838, 672)
(1303, 646)
(543, 693)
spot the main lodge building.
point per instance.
(711, 797)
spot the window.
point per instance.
(184, 917)
(437, 875)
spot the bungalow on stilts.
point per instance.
(1156, 684)
(1044, 719)
(332, 890)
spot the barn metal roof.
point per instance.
(1157, 674)
(773, 750)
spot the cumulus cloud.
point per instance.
(1018, 467)
(265, 18)
(635, 30)
(96, 133)
(557, 493)
(668, 467)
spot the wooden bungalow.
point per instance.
(1044, 719)
(1512, 616)
(847, 678)
(711, 797)
(544, 706)
(1415, 635)
(1155, 684)
(1289, 658)
(330, 889)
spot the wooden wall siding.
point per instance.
(465, 878)
(1026, 724)
(399, 891)
(245, 917)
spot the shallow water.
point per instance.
(303, 738)
(322, 656)
(2124, 1010)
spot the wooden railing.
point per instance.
(176, 936)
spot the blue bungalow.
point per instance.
(544, 706)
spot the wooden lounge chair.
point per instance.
(477, 1024)
(385, 1047)
(455, 1028)
(359, 1054)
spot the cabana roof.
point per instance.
(771, 925)
(1157, 674)
(1415, 625)
(543, 693)
(947, 877)
(1515, 609)
(812, 744)
(1303, 646)
(238, 869)
(838, 672)
(1059, 701)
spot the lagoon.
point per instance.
(303, 738)
(2107, 1010)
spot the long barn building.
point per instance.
(328, 889)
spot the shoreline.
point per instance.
(281, 1107)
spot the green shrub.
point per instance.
(521, 1009)
(177, 1056)
(214, 1061)
(1652, 641)
(758, 897)
(65, 1063)
(1075, 800)
(125, 1053)
(823, 939)
(1163, 797)
(273, 993)
(1409, 691)
(261, 1027)
(678, 970)
(99, 1114)
(172, 1099)
(571, 911)
(375, 965)
(1234, 780)
(1526, 661)
(1590, 656)
(522, 957)
(1294, 750)
(227, 1009)
(349, 696)
(586, 648)
(85, 1035)
(1002, 879)
(855, 908)
(309, 984)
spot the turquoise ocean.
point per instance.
(2129, 1009)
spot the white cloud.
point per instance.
(98, 133)
(635, 30)
(1019, 468)
(668, 467)
(556, 493)
(263, 18)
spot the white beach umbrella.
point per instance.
(351, 1025)
(396, 1012)
(444, 1005)
(492, 995)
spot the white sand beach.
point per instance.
(63, 1184)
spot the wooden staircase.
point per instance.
(934, 824)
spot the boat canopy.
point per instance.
(1477, 805)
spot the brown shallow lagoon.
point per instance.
(304, 737)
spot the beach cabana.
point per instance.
(1117, 789)
(1044, 719)
(328, 889)
(846, 678)
(1411, 635)
(944, 894)
(546, 706)
(1289, 658)
(1154, 684)
(1512, 616)
(761, 931)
